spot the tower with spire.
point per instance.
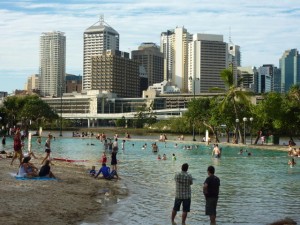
(96, 40)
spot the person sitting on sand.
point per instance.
(105, 170)
(27, 169)
(93, 171)
(45, 170)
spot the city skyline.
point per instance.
(262, 30)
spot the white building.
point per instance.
(97, 39)
(52, 63)
(32, 83)
(174, 45)
(164, 87)
(207, 55)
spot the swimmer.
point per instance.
(216, 151)
(292, 163)
(173, 157)
(158, 157)
(175, 146)
(164, 157)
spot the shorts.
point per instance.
(47, 150)
(186, 204)
(211, 206)
(18, 154)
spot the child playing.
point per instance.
(103, 158)
(93, 171)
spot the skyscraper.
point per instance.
(289, 64)
(174, 45)
(97, 39)
(52, 63)
(149, 56)
(115, 72)
(207, 58)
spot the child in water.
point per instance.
(158, 157)
(173, 157)
(292, 162)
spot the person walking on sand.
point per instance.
(211, 193)
(17, 147)
(47, 148)
(183, 181)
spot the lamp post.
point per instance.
(193, 80)
(237, 130)
(251, 119)
(245, 120)
(60, 133)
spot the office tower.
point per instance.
(52, 63)
(275, 75)
(207, 58)
(96, 40)
(234, 58)
(149, 56)
(73, 83)
(115, 72)
(174, 45)
(264, 79)
(248, 78)
(32, 84)
(289, 64)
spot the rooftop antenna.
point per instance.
(230, 41)
(101, 19)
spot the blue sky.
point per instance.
(263, 28)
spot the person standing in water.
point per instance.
(211, 193)
(183, 193)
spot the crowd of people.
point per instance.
(183, 179)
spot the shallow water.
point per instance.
(256, 189)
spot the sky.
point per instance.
(263, 29)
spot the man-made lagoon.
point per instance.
(256, 189)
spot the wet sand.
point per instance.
(74, 198)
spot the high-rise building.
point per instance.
(174, 45)
(149, 56)
(275, 76)
(207, 58)
(52, 63)
(248, 78)
(96, 40)
(234, 58)
(264, 79)
(32, 84)
(115, 72)
(289, 64)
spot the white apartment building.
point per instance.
(174, 45)
(208, 56)
(97, 39)
(52, 63)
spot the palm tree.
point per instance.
(233, 95)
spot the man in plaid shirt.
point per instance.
(183, 193)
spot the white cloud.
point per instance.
(263, 28)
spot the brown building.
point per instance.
(115, 72)
(73, 83)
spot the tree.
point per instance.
(25, 109)
(233, 95)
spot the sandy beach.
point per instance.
(73, 198)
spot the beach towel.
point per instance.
(34, 178)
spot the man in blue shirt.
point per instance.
(105, 170)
